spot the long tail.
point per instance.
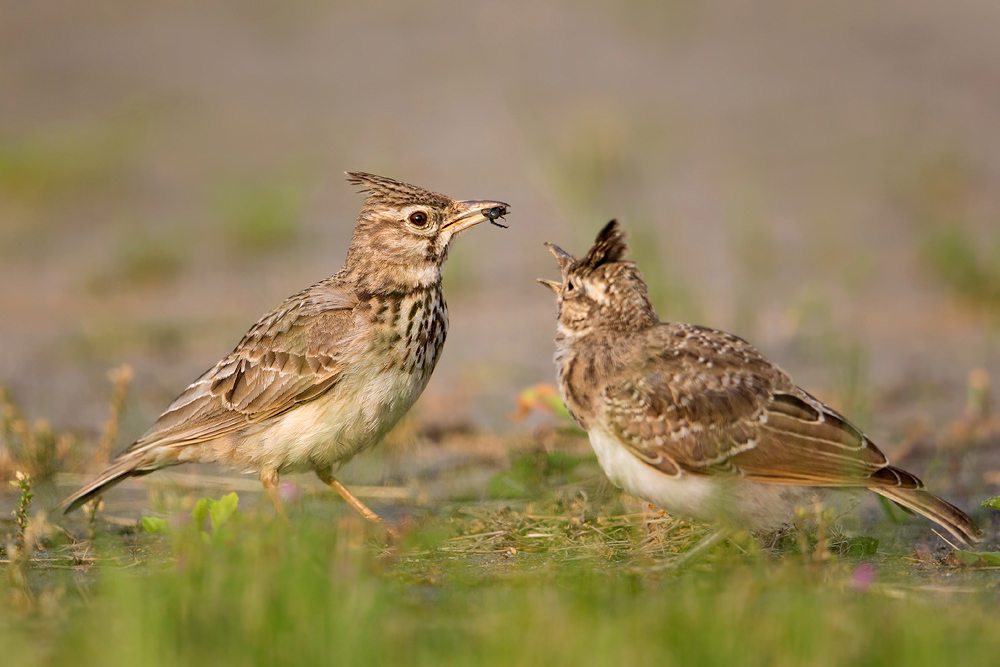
(941, 512)
(116, 473)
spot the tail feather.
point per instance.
(941, 512)
(115, 474)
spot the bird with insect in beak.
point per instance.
(695, 420)
(329, 371)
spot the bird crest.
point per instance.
(609, 247)
(383, 191)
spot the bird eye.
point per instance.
(418, 219)
(570, 286)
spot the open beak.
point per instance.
(473, 212)
(564, 259)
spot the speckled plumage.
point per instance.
(696, 420)
(330, 370)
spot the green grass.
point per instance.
(322, 592)
(548, 566)
(532, 473)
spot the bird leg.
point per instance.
(326, 476)
(269, 478)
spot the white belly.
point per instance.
(733, 501)
(353, 416)
(682, 496)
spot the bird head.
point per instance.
(602, 290)
(403, 232)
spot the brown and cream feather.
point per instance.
(704, 410)
(331, 369)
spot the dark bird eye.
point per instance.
(418, 219)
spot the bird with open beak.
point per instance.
(695, 420)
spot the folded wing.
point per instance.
(293, 355)
(706, 403)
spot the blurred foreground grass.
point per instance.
(319, 592)
(547, 565)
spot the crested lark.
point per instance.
(695, 420)
(328, 372)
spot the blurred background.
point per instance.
(821, 179)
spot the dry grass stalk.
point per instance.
(120, 378)
(571, 531)
(33, 448)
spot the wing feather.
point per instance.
(707, 403)
(294, 354)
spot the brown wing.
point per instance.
(706, 402)
(291, 356)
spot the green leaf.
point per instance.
(155, 525)
(222, 509)
(199, 513)
(892, 511)
(987, 559)
(992, 502)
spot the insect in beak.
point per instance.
(492, 214)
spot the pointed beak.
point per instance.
(552, 285)
(473, 212)
(563, 258)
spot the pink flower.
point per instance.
(288, 492)
(863, 577)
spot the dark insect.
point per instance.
(493, 213)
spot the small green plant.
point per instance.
(976, 558)
(533, 473)
(155, 525)
(218, 512)
(23, 484)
